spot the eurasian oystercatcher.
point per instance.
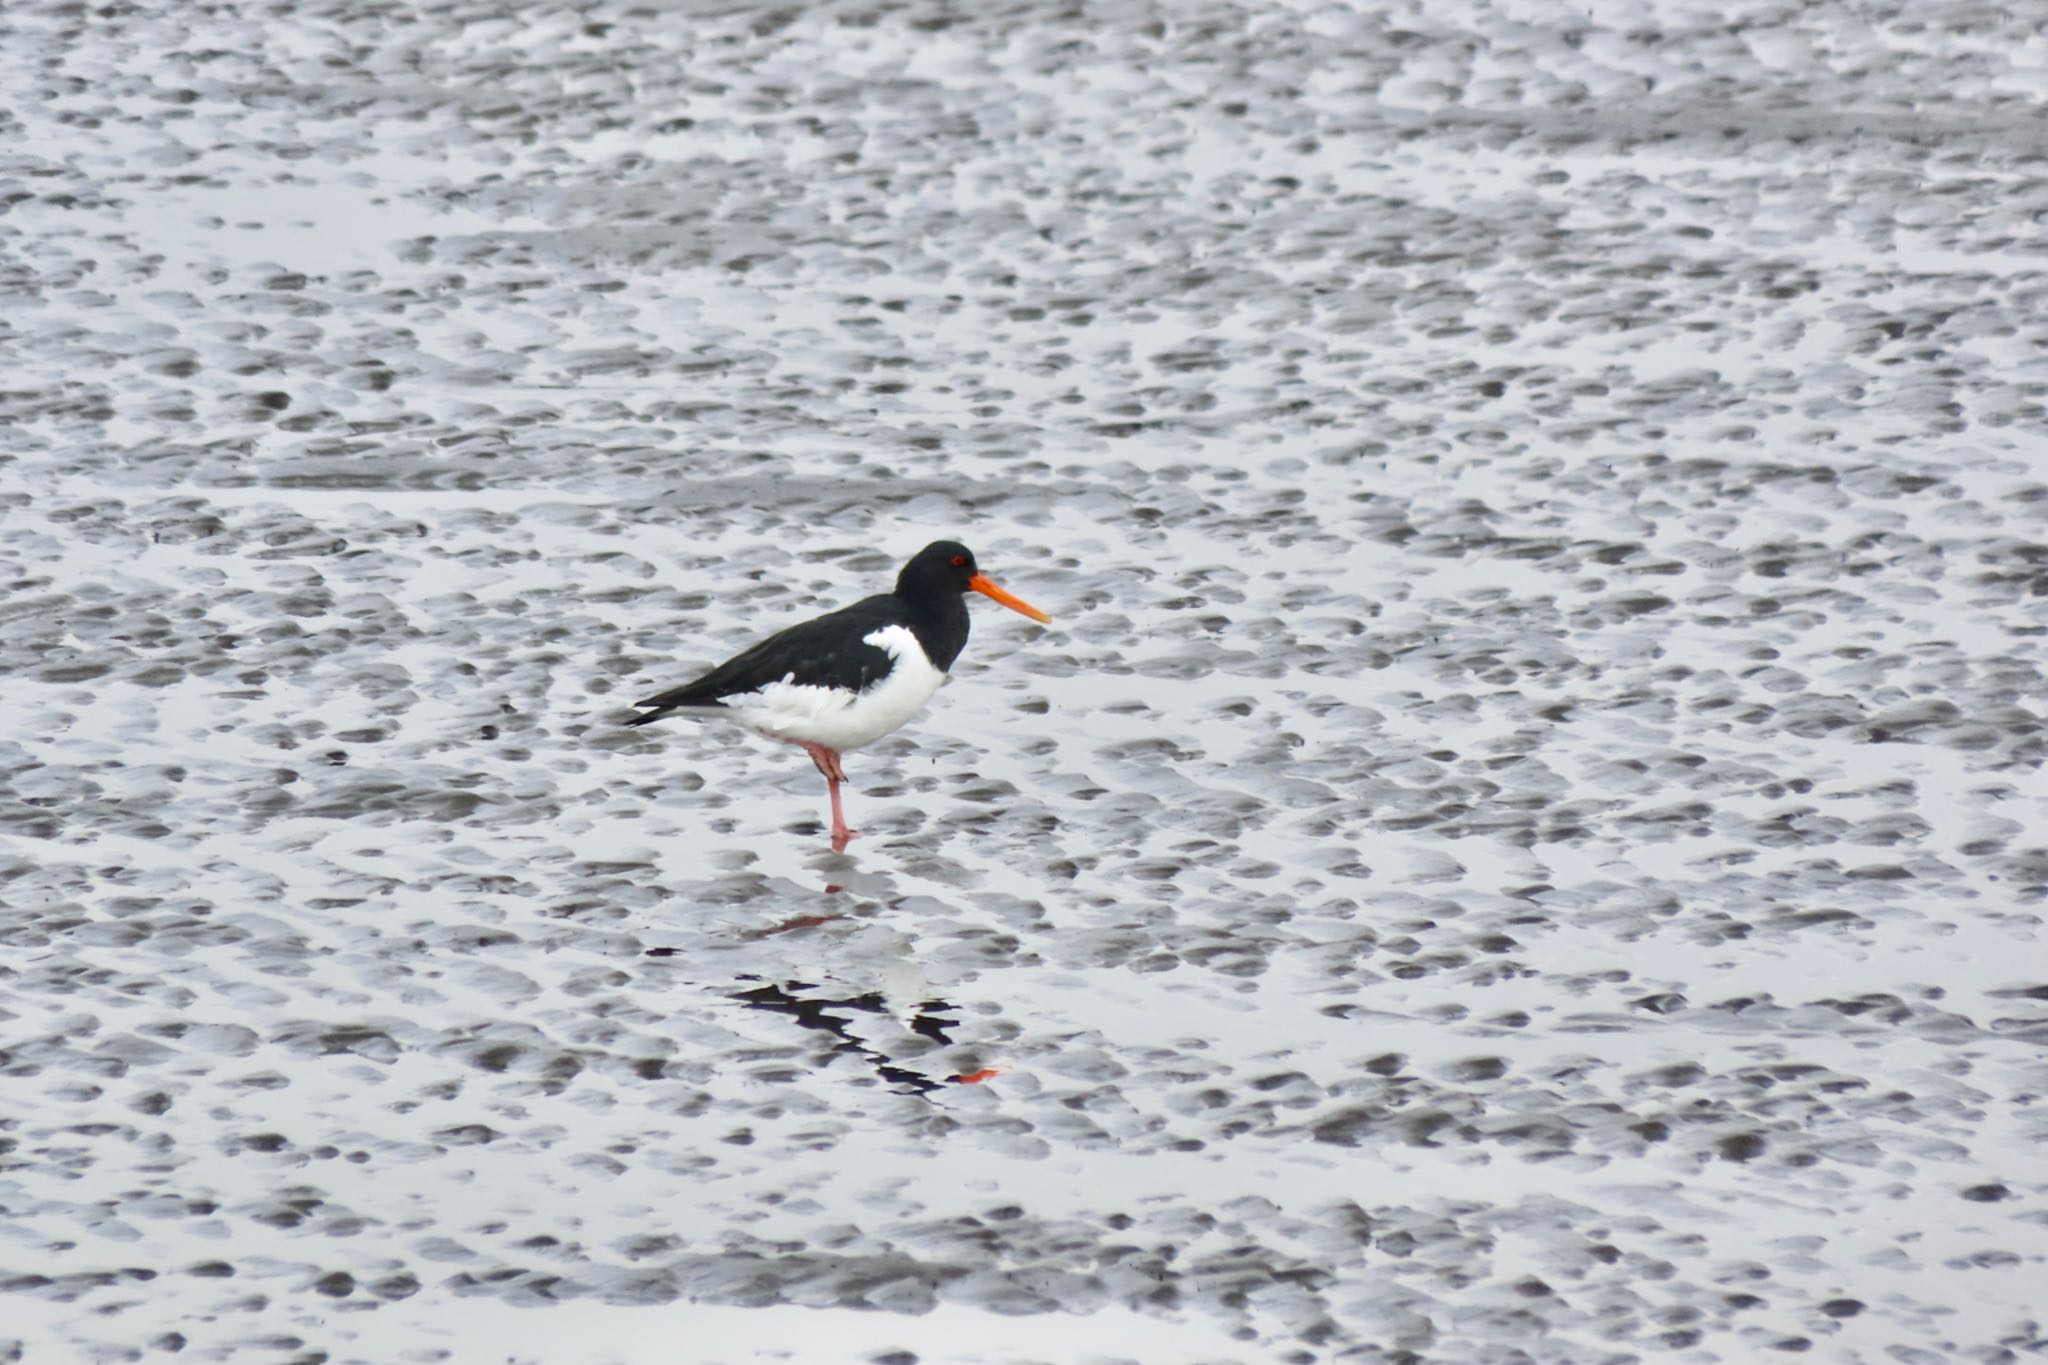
(847, 678)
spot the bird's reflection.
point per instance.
(789, 926)
(843, 876)
(799, 1000)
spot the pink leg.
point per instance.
(827, 762)
(841, 835)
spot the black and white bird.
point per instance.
(845, 679)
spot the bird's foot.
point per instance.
(842, 836)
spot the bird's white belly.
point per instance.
(839, 719)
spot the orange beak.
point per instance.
(981, 585)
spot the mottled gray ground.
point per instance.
(1525, 841)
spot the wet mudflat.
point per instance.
(1524, 840)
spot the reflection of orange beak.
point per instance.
(987, 589)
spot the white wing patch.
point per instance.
(839, 719)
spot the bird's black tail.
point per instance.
(675, 699)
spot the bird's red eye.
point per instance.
(959, 561)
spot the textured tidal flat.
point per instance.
(1524, 842)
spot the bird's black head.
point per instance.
(942, 566)
(947, 566)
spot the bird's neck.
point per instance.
(940, 625)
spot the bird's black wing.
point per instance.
(826, 651)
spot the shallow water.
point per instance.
(1522, 842)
